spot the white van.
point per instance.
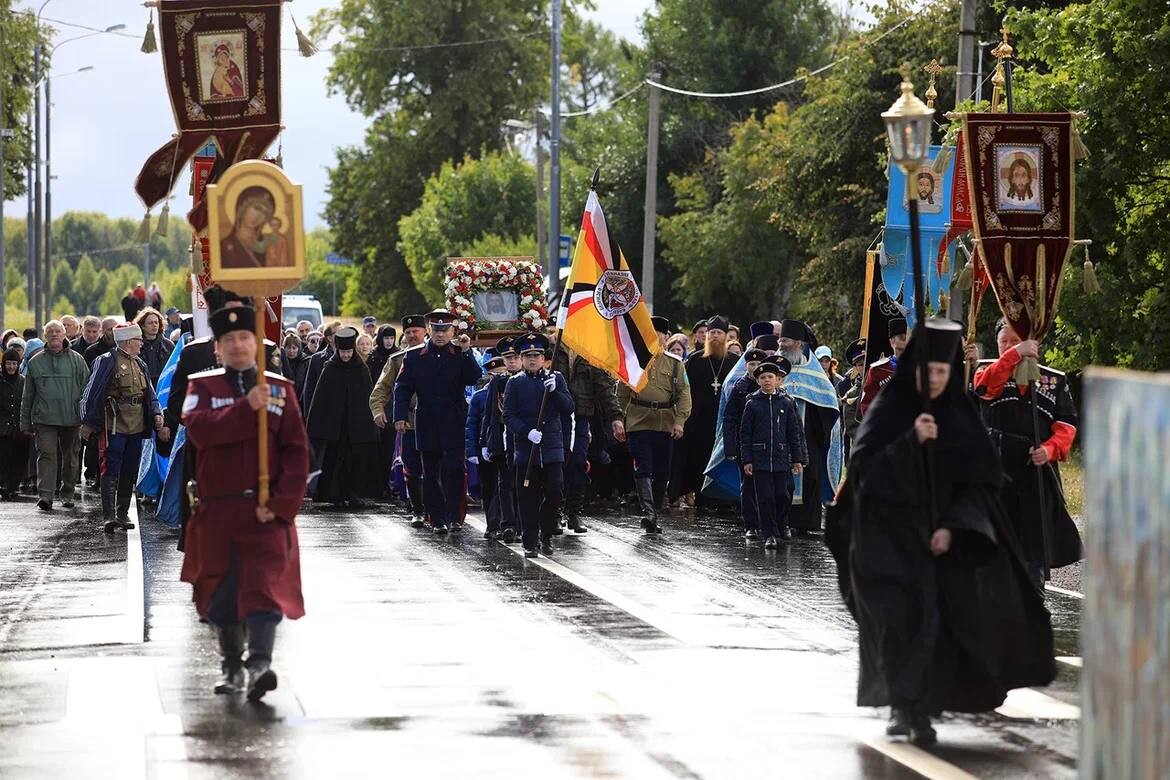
(301, 307)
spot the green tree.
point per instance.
(429, 104)
(89, 288)
(593, 63)
(460, 204)
(1106, 58)
(63, 281)
(322, 277)
(18, 38)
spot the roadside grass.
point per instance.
(1072, 474)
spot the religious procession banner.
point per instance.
(878, 308)
(222, 67)
(1022, 199)
(932, 186)
(961, 222)
(603, 317)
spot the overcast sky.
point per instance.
(107, 121)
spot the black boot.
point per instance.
(658, 491)
(646, 504)
(261, 640)
(574, 508)
(108, 486)
(231, 651)
(125, 496)
(921, 732)
(899, 725)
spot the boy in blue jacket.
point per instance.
(493, 365)
(732, 416)
(545, 447)
(771, 446)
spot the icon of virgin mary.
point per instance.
(256, 240)
(226, 80)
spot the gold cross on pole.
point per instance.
(932, 69)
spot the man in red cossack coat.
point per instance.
(243, 559)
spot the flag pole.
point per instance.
(557, 344)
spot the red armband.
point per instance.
(1059, 444)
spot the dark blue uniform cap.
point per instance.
(441, 318)
(781, 367)
(532, 342)
(231, 319)
(855, 351)
(414, 321)
(758, 329)
(506, 345)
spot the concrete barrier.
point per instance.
(1125, 631)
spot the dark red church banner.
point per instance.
(222, 66)
(1021, 188)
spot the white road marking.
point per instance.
(1031, 704)
(1071, 660)
(1064, 592)
(135, 595)
(918, 760)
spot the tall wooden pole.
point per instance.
(650, 211)
(262, 415)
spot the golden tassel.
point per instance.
(943, 160)
(966, 277)
(144, 229)
(944, 301)
(149, 44)
(1027, 371)
(303, 43)
(164, 220)
(1090, 283)
(1079, 150)
(944, 267)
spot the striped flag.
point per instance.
(603, 317)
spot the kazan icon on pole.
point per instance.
(255, 224)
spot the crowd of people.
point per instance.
(755, 426)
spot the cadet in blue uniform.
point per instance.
(732, 415)
(489, 478)
(437, 374)
(494, 445)
(542, 497)
(771, 445)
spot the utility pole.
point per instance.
(650, 214)
(541, 225)
(30, 263)
(47, 283)
(35, 301)
(146, 262)
(554, 148)
(965, 84)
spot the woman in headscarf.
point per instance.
(947, 617)
(296, 361)
(341, 428)
(14, 445)
(384, 349)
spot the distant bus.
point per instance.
(301, 307)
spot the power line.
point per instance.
(789, 82)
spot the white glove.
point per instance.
(535, 436)
(550, 383)
(473, 460)
(487, 456)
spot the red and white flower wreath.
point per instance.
(467, 277)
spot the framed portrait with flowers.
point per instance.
(491, 295)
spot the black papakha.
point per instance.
(954, 632)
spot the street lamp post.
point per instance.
(908, 129)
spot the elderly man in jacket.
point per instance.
(51, 411)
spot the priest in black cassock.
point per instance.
(341, 428)
(947, 617)
(818, 406)
(706, 372)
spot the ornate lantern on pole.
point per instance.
(908, 129)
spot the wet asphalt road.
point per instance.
(690, 655)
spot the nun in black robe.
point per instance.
(939, 629)
(341, 428)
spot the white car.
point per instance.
(301, 307)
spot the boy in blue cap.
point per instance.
(771, 446)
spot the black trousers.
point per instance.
(651, 452)
(506, 497)
(489, 493)
(540, 500)
(773, 494)
(444, 485)
(13, 461)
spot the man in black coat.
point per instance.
(437, 374)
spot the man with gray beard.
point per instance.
(817, 403)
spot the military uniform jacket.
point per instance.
(119, 398)
(223, 428)
(438, 376)
(1010, 412)
(665, 401)
(522, 398)
(382, 396)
